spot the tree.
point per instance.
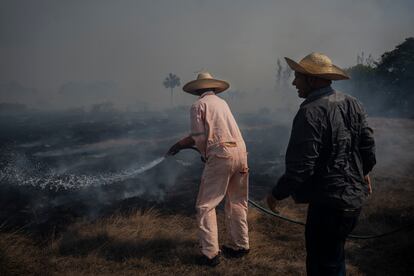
(385, 86)
(396, 70)
(397, 66)
(171, 81)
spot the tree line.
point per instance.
(385, 87)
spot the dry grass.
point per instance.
(153, 244)
(150, 243)
(20, 256)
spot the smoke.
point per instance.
(62, 165)
(128, 48)
(393, 147)
(83, 164)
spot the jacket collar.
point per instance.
(318, 93)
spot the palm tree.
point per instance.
(171, 81)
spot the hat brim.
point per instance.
(330, 73)
(218, 86)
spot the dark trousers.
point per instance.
(325, 234)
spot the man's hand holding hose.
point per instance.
(186, 142)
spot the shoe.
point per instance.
(233, 253)
(204, 260)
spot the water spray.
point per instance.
(55, 181)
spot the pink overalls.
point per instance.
(225, 174)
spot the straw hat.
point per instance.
(319, 65)
(205, 81)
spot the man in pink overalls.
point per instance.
(216, 135)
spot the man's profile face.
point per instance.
(302, 85)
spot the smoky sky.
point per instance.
(133, 45)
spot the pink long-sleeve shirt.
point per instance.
(213, 123)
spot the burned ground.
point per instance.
(146, 224)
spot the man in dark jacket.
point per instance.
(330, 154)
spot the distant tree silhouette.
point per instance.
(361, 58)
(397, 66)
(286, 74)
(105, 107)
(171, 81)
(279, 71)
(282, 74)
(370, 61)
(396, 70)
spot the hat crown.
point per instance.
(317, 64)
(205, 81)
(316, 59)
(204, 75)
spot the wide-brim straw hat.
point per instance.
(318, 65)
(205, 81)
